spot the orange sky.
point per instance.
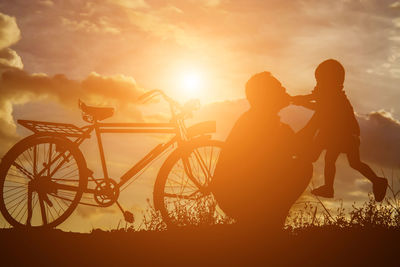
(110, 51)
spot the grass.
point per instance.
(314, 235)
(312, 214)
(371, 214)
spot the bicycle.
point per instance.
(44, 176)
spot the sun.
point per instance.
(191, 83)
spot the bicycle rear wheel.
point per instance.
(182, 192)
(42, 179)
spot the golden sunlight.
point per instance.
(191, 84)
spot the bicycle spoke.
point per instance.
(23, 170)
(12, 189)
(18, 176)
(201, 164)
(177, 196)
(40, 165)
(68, 173)
(19, 194)
(20, 210)
(180, 184)
(49, 211)
(9, 181)
(58, 203)
(186, 197)
(15, 207)
(27, 160)
(65, 167)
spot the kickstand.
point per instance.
(128, 216)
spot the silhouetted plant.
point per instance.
(370, 214)
(311, 214)
(152, 219)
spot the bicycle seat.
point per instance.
(91, 114)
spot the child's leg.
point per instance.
(330, 167)
(353, 156)
(379, 184)
(330, 170)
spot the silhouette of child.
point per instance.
(334, 127)
(256, 179)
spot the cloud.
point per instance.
(102, 25)
(46, 3)
(380, 138)
(9, 35)
(134, 4)
(380, 131)
(9, 31)
(10, 59)
(19, 87)
(380, 146)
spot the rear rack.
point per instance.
(52, 128)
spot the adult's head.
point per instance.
(330, 73)
(265, 92)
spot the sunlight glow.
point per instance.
(191, 83)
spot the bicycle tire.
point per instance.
(180, 216)
(59, 197)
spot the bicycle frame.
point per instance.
(182, 135)
(165, 128)
(177, 127)
(53, 164)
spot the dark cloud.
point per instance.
(380, 139)
(19, 87)
(380, 132)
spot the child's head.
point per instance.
(330, 74)
(264, 91)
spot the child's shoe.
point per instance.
(379, 188)
(323, 191)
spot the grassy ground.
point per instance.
(218, 245)
(368, 235)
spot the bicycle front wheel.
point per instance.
(42, 179)
(182, 192)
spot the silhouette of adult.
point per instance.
(258, 177)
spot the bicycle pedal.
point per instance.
(129, 217)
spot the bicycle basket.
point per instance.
(52, 128)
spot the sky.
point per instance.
(108, 52)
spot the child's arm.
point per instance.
(304, 100)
